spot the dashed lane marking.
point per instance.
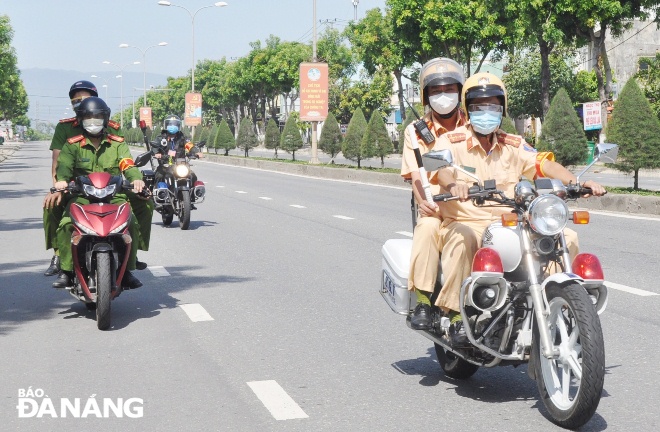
(405, 233)
(297, 206)
(276, 400)
(158, 271)
(220, 186)
(241, 192)
(630, 290)
(343, 217)
(196, 312)
(265, 198)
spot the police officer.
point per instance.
(54, 203)
(95, 150)
(492, 154)
(441, 82)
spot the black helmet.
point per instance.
(83, 85)
(172, 120)
(93, 106)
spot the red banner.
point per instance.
(313, 91)
(193, 116)
(145, 114)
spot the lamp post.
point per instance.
(104, 85)
(355, 4)
(121, 71)
(144, 64)
(192, 17)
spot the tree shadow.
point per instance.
(16, 194)
(22, 224)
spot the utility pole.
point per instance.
(314, 158)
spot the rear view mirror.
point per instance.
(435, 160)
(607, 153)
(143, 159)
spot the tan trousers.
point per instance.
(458, 243)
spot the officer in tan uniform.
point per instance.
(492, 154)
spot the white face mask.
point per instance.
(93, 126)
(444, 103)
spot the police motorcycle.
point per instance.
(516, 310)
(176, 192)
(100, 242)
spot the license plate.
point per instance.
(389, 286)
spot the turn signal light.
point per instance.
(587, 266)
(509, 219)
(75, 239)
(581, 217)
(487, 260)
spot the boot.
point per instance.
(457, 333)
(54, 267)
(139, 265)
(64, 280)
(129, 281)
(421, 317)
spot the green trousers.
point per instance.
(66, 228)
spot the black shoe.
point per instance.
(129, 281)
(192, 207)
(63, 280)
(140, 265)
(457, 333)
(54, 267)
(421, 317)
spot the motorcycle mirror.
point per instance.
(143, 125)
(434, 160)
(143, 159)
(607, 152)
(201, 144)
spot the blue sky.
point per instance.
(79, 34)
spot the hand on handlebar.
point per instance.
(459, 190)
(138, 185)
(61, 185)
(596, 189)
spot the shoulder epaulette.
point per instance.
(509, 139)
(455, 137)
(75, 139)
(113, 124)
(68, 120)
(115, 138)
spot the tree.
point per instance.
(224, 139)
(508, 126)
(247, 137)
(291, 139)
(351, 147)
(649, 78)
(563, 133)
(13, 97)
(376, 140)
(636, 129)
(272, 139)
(330, 141)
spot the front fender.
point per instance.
(598, 293)
(560, 279)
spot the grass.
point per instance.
(629, 190)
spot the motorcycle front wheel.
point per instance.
(571, 384)
(453, 366)
(103, 288)
(167, 217)
(184, 210)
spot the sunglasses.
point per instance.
(485, 107)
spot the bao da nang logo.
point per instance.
(35, 403)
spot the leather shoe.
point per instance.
(421, 317)
(457, 333)
(63, 280)
(54, 267)
(129, 281)
(140, 265)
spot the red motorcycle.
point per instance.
(100, 242)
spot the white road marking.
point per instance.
(265, 198)
(297, 206)
(219, 186)
(241, 192)
(630, 290)
(405, 233)
(343, 217)
(623, 215)
(276, 400)
(158, 271)
(196, 312)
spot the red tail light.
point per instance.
(587, 266)
(487, 260)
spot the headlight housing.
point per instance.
(548, 215)
(182, 170)
(99, 192)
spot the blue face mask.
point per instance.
(485, 122)
(171, 129)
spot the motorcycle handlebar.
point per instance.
(473, 192)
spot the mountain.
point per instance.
(48, 90)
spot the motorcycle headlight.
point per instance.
(182, 170)
(120, 228)
(99, 192)
(548, 215)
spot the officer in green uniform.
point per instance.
(54, 204)
(95, 150)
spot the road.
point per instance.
(266, 316)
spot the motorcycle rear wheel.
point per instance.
(453, 366)
(167, 218)
(571, 385)
(184, 211)
(103, 290)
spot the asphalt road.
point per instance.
(266, 315)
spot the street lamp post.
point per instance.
(104, 85)
(121, 71)
(355, 4)
(144, 64)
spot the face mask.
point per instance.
(171, 129)
(444, 103)
(93, 126)
(485, 122)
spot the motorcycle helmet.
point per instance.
(440, 71)
(172, 124)
(93, 108)
(83, 85)
(481, 85)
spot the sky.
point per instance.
(78, 35)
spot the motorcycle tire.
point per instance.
(103, 290)
(167, 218)
(453, 366)
(184, 211)
(576, 332)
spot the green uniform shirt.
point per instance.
(81, 158)
(68, 128)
